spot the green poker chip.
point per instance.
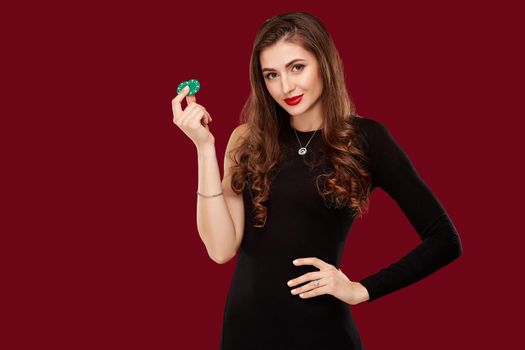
(192, 83)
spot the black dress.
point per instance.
(260, 312)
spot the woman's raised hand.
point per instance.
(193, 120)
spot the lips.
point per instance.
(293, 100)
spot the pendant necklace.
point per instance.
(302, 150)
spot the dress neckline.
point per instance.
(303, 132)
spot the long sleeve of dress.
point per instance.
(440, 243)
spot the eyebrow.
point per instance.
(287, 65)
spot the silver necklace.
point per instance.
(302, 150)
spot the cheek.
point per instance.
(315, 84)
(308, 81)
(272, 91)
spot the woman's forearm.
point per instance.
(214, 221)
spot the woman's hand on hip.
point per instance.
(328, 280)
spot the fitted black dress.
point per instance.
(260, 312)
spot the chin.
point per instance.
(297, 111)
(293, 112)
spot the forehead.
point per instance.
(280, 53)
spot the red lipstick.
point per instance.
(293, 100)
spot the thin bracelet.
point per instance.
(213, 195)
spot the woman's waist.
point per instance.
(269, 282)
(278, 301)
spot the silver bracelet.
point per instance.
(213, 195)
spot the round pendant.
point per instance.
(302, 150)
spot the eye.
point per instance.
(299, 65)
(295, 65)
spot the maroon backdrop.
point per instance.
(99, 230)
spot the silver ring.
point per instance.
(316, 283)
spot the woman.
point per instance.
(297, 171)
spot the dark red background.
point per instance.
(99, 230)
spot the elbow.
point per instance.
(450, 240)
(221, 259)
(448, 248)
(454, 248)
(458, 248)
(225, 257)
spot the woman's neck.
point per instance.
(306, 126)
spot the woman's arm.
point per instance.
(393, 171)
(214, 221)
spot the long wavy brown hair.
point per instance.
(257, 155)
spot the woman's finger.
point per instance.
(176, 103)
(209, 120)
(315, 292)
(196, 117)
(191, 98)
(188, 112)
(306, 278)
(309, 286)
(320, 264)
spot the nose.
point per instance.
(287, 85)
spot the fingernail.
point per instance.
(295, 262)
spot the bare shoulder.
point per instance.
(240, 131)
(236, 137)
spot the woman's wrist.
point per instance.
(360, 293)
(206, 149)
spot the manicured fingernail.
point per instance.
(295, 262)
